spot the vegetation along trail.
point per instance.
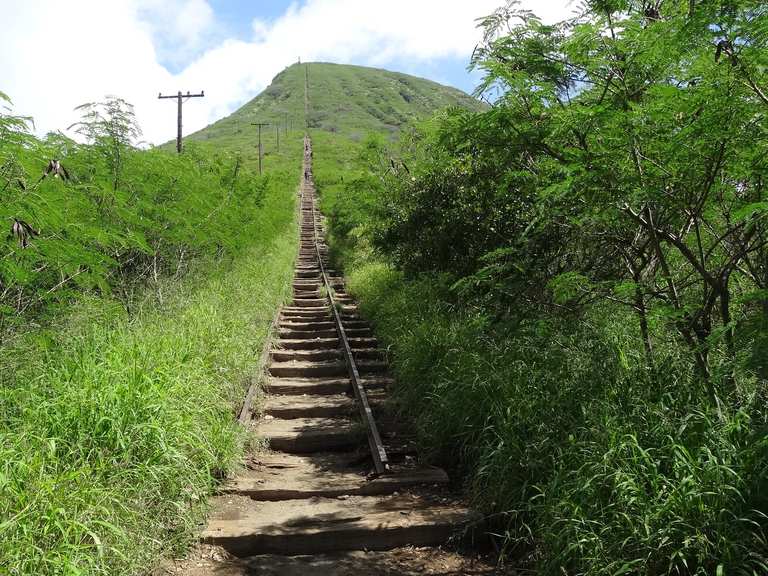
(129, 325)
(536, 318)
(333, 493)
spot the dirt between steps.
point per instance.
(206, 560)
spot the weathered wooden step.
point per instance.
(306, 334)
(307, 324)
(305, 355)
(314, 344)
(358, 332)
(278, 476)
(303, 435)
(307, 273)
(306, 406)
(363, 354)
(308, 369)
(296, 386)
(306, 286)
(377, 382)
(310, 302)
(357, 343)
(296, 319)
(304, 295)
(355, 323)
(247, 527)
(396, 562)
(371, 366)
(322, 405)
(305, 313)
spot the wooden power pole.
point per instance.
(277, 134)
(180, 100)
(306, 97)
(260, 124)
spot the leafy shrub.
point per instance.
(598, 237)
(119, 216)
(131, 319)
(582, 464)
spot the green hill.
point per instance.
(345, 99)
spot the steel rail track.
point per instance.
(378, 452)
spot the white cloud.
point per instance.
(54, 55)
(179, 28)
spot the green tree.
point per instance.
(623, 160)
(110, 127)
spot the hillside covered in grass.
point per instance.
(343, 99)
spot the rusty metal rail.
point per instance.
(378, 452)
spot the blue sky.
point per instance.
(229, 48)
(237, 14)
(234, 20)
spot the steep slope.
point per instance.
(344, 99)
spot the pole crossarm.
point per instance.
(180, 99)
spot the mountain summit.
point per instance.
(350, 100)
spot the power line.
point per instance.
(179, 101)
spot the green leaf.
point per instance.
(748, 211)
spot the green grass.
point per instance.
(346, 100)
(115, 428)
(119, 386)
(581, 465)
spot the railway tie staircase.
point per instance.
(331, 481)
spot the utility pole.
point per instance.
(306, 97)
(286, 123)
(179, 101)
(260, 124)
(277, 133)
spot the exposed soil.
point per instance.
(206, 560)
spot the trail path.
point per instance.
(313, 503)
